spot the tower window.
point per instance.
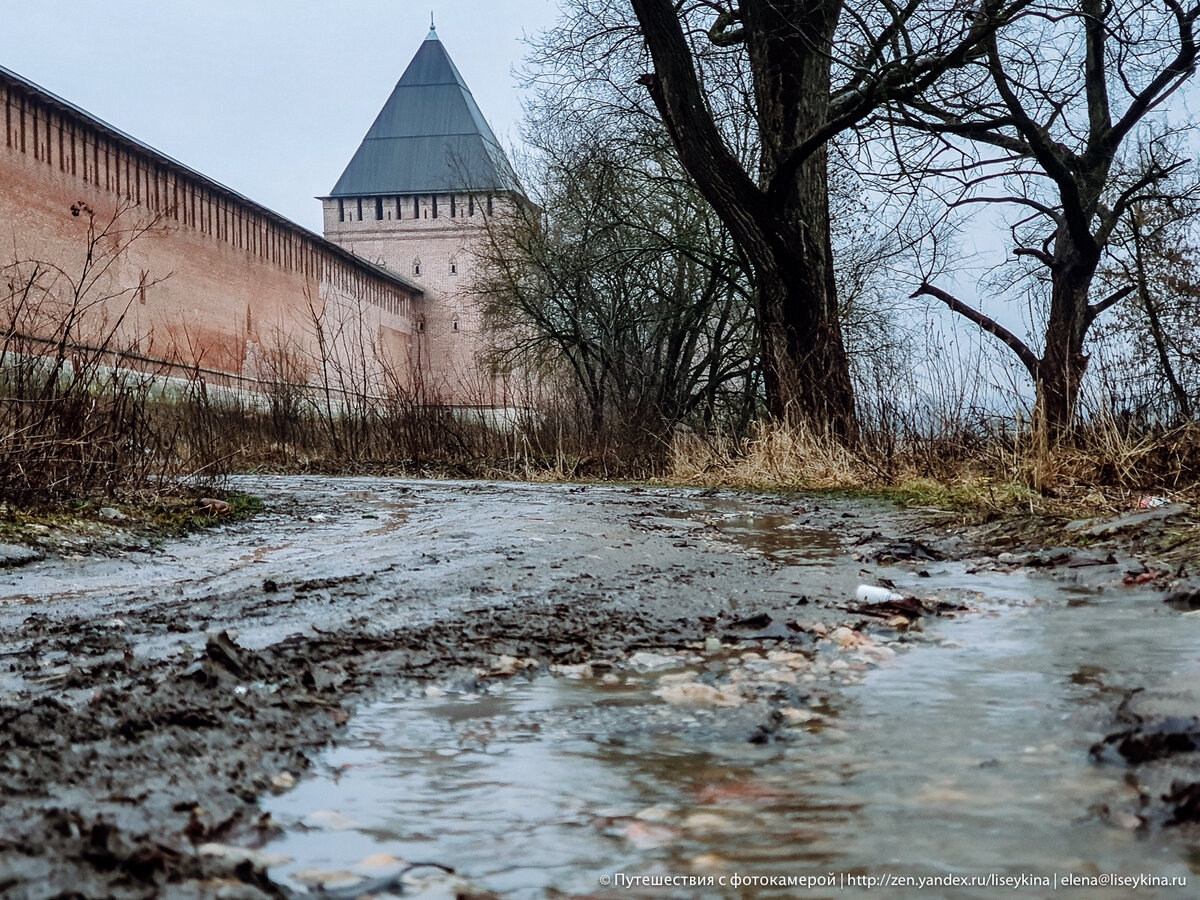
(489, 212)
(341, 210)
(360, 209)
(470, 204)
(416, 207)
(417, 267)
(398, 208)
(435, 206)
(453, 267)
(456, 326)
(379, 208)
(453, 207)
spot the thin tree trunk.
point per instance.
(1156, 332)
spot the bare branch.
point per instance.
(988, 324)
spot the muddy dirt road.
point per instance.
(166, 716)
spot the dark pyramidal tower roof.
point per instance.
(430, 137)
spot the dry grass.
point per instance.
(1098, 470)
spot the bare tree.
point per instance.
(74, 390)
(624, 280)
(818, 68)
(1062, 118)
(1155, 334)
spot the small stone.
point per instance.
(677, 678)
(340, 878)
(653, 814)
(1129, 822)
(38, 529)
(580, 670)
(706, 821)
(328, 820)
(376, 862)
(16, 555)
(112, 514)
(282, 782)
(794, 716)
(781, 676)
(648, 661)
(508, 665)
(244, 854)
(712, 645)
(701, 695)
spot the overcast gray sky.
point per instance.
(268, 97)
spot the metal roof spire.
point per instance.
(432, 36)
(430, 137)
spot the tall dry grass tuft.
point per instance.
(775, 457)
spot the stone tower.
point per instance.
(414, 199)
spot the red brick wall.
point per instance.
(226, 280)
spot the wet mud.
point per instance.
(153, 702)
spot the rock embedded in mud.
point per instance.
(698, 695)
(905, 550)
(1186, 599)
(16, 555)
(1105, 527)
(507, 666)
(1152, 740)
(1184, 799)
(645, 661)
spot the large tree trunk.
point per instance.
(1063, 362)
(803, 350)
(782, 224)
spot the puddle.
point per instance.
(969, 758)
(786, 538)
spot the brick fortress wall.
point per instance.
(228, 281)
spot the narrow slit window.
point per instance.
(360, 209)
(489, 212)
(435, 206)
(341, 210)
(417, 267)
(398, 208)
(470, 205)
(379, 208)
(416, 207)
(453, 207)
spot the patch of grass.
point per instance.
(155, 518)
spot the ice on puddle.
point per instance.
(329, 820)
